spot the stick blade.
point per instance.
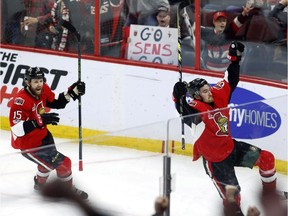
(70, 27)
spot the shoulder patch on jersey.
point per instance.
(19, 101)
(192, 103)
(219, 85)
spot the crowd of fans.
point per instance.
(38, 23)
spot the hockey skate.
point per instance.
(82, 194)
(40, 187)
(37, 185)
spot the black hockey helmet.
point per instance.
(34, 73)
(195, 85)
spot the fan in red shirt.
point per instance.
(220, 152)
(29, 132)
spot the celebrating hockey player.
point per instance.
(29, 132)
(220, 152)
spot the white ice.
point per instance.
(123, 181)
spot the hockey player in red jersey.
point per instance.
(220, 152)
(29, 132)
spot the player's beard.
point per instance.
(36, 91)
(209, 100)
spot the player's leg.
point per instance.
(249, 156)
(48, 158)
(64, 173)
(223, 174)
(41, 177)
(43, 168)
(42, 157)
(266, 163)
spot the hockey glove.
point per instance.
(76, 90)
(179, 90)
(46, 118)
(235, 51)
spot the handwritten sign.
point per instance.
(153, 44)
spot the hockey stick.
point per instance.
(71, 28)
(180, 7)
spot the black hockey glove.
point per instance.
(50, 118)
(180, 89)
(76, 90)
(46, 118)
(235, 51)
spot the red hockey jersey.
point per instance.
(215, 142)
(26, 107)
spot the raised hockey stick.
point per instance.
(71, 28)
(182, 5)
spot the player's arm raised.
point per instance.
(232, 73)
(76, 90)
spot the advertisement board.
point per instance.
(125, 96)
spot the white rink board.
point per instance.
(123, 96)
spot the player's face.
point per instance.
(220, 24)
(205, 94)
(163, 19)
(36, 86)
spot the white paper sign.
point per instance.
(153, 44)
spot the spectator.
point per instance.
(29, 132)
(281, 16)
(163, 20)
(163, 17)
(57, 190)
(218, 38)
(160, 206)
(35, 23)
(11, 12)
(274, 203)
(232, 208)
(61, 36)
(220, 152)
(268, 30)
(143, 12)
(81, 15)
(112, 19)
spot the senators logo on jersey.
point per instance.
(219, 85)
(222, 122)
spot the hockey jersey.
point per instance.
(215, 143)
(26, 107)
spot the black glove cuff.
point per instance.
(30, 126)
(73, 95)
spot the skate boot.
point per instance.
(83, 195)
(37, 185)
(269, 188)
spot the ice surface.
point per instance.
(122, 181)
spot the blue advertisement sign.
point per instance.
(253, 119)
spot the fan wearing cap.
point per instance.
(218, 38)
(163, 17)
(143, 12)
(219, 22)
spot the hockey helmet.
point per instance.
(195, 85)
(34, 73)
